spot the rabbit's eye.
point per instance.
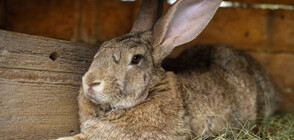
(136, 59)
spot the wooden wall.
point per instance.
(268, 35)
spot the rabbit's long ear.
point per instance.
(149, 12)
(183, 22)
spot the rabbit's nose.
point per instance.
(96, 86)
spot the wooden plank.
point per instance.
(114, 18)
(286, 2)
(38, 95)
(248, 28)
(31, 52)
(29, 76)
(37, 111)
(54, 18)
(71, 20)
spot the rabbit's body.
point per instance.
(221, 86)
(126, 94)
(225, 86)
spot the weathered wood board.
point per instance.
(38, 93)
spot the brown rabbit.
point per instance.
(126, 94)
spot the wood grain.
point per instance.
(54, 18)
(37, 111)
(34, 53)
(113, 18)
(38, 95)
(251, 29)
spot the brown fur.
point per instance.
(211, 86)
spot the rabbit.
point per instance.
(132, 92)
